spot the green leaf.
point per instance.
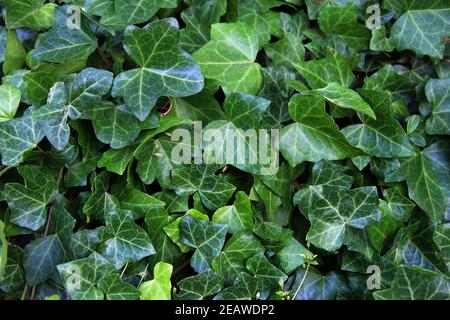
(426, 175)
(439, 97)
(333, 68)
(29, 206)
(237, 217)
(15, 53)
(231, 262)
(129, 242)
(206, 237)
(315, 286)
(116, 289)
(442, 238)
(160, 287)
(229, 58)
(383, 137)
(138, 202)
(81, 277)
(335, 210)
(9, 102)
(213, 190)
(62, 44)
(268, 275)
(422, 31)
(198, 18)
(41, 258)
(200, 286)
(314, 136)
(415, 283)
(342, 22)
(32, 14)
(14, 276)
(164, 69)
(346, 98)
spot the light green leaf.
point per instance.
(229, 58)
(32, 14)
(159, 288)
(9, 102)
(237, 217)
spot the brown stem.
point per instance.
(104, 59)
(181, 267)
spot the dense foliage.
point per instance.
(94, 206)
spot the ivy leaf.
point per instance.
(81, 277)
(117, 15)
(346, 98)
(164, 69)
(206, 237)
(314, 136)
(129, 242)
(342, 22)
(160, 287)
(383, 137)
(229, 58)
(198, 18)
(269, 276)
(115, 125)
(439, 97)
(62, 44)
(41, 258)
(244, 288)
(29, 206)
(69, 102)
(332, 69)
(213, 190)
(426, 175)
(9, 102)
(237, 217)
(13, 278)
(442, 238)
(18, 136)
(316, 286)
(422, 31)
(415, 283)
(116, 289)
(231, 262)
(334, 210)
(199, 286)
(32, 14)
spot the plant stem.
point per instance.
(4, 170)
(301, 282)
(24, 292)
